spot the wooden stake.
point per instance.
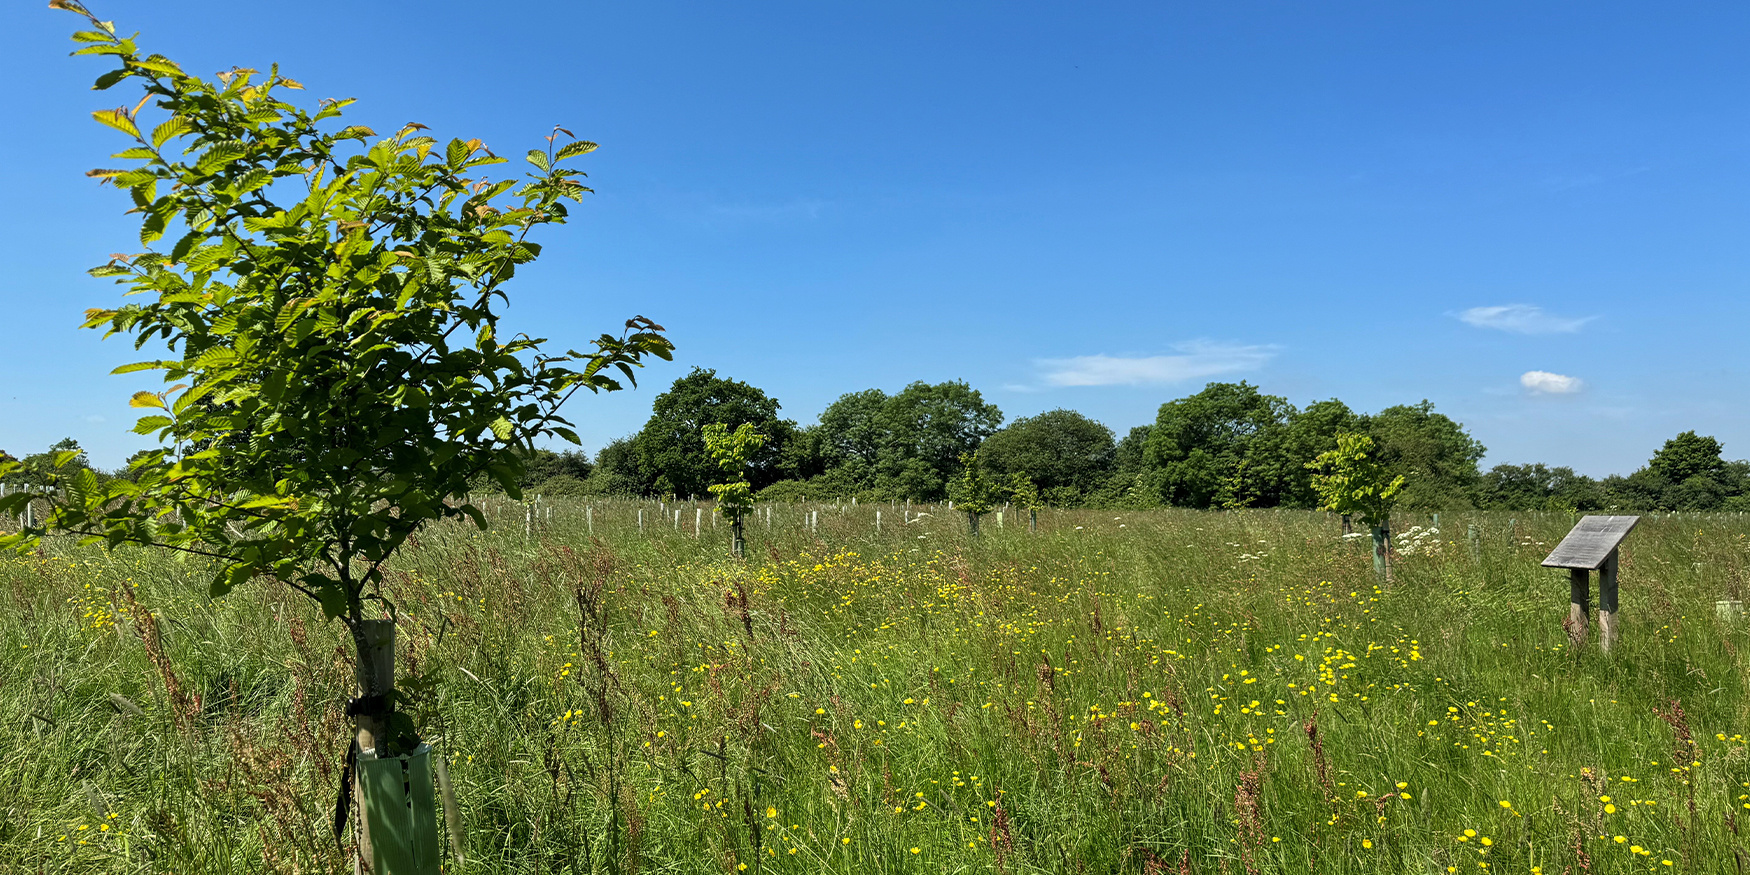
(1607, 629)
(1579, 604)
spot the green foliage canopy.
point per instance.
(1351, 482)
(1066, 454)
(1434, 452)
(670, 449)
(328, 304)
(732, 452)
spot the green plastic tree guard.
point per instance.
(400, 812)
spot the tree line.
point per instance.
(1227, 446)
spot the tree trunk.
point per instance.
(1032, 520)
(974, 520)
(737, 546)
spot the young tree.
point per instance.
(1025, 494)
(732, 452)
(1350, 482)
(329, 309)
(971, 490)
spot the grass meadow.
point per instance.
(1148, 692)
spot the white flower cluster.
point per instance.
(1418, 540)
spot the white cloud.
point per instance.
(1546, 383)
(1522, 319)
(1194, 359)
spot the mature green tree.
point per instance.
(1538, 487)
(902, 446)
(928, 427)
(1130, 456)
(1689, 455)
(1435, 454)
(671, 447)
(1221, 447)
(616, 471)
(1066, 455)
(851, 440)
(1309, 432)
(1687, 473)
(1130, 483)
(328, 309)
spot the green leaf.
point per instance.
(161, 66)
(143, 366)
(539, 159)
(501, 427)
(108, 80)
(119, 119)
(332, 599)
(253, 180)
(168, 130)
(149, 424)
(85, 486)
(151, 228)
(579, 147)
(182, 247)
(219, 155)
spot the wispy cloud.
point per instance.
(1522, 319)
(1193, 359)
(1546, 383)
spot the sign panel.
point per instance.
(1590, 543)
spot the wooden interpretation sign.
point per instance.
(1591, 546)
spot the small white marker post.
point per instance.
(698, 519)
(878, 522)
(589, 518)
(641, 521)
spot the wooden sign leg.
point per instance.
(1579, 604)
(1607, 603)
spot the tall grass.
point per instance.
(1155, 692)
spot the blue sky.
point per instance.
(1533, 215)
